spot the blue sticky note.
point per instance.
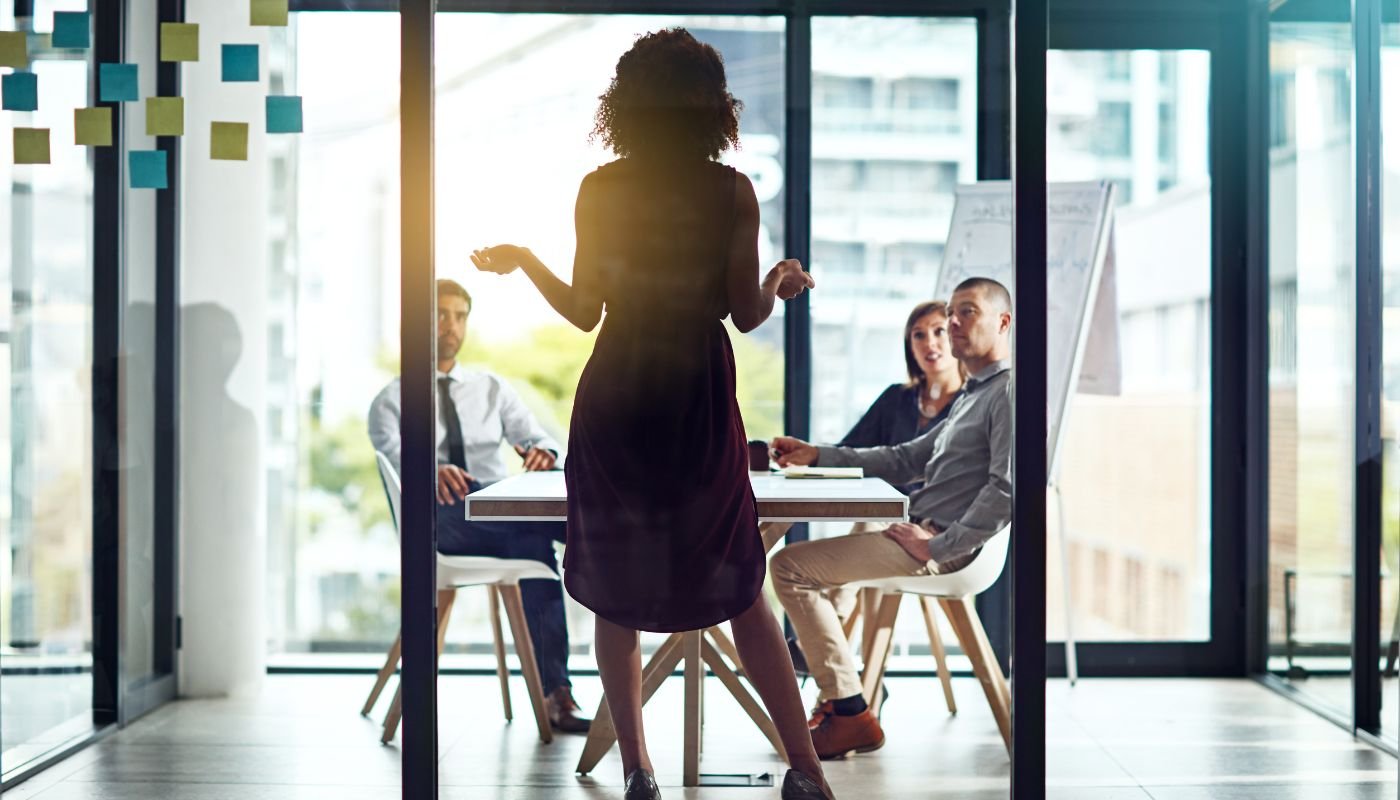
(148, 169)
(117, 83)
(240, 63)
(284, 115)
(20, 91)
(70, 29)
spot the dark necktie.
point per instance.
(456, 450)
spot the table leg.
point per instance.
(694, 674)
(602, 734)
(772, 533)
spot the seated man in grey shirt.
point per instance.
(477, 411)
(965, 463)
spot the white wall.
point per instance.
(223, 369)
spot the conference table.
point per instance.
(782, 502)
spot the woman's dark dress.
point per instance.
(662, 523)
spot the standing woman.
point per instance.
(662, 523)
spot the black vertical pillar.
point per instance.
(1365, 662)
(1030, 30)
(797, 224)
(417, 352)
(167, 372)
(108, 249)
(994, 163)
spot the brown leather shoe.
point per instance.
(838, 736)
(563, 712)
(819, 713)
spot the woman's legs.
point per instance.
(620, 666)
(768, 667)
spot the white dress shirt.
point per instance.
(490, 412)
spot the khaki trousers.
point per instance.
(809, 578)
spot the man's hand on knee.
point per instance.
(912, 538)
(453, 484)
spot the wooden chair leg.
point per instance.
(525, 651)
(968, 626)
(502, 671)
(849, 626)
(870, 605)
(723, 643)
(882, 637)
(940, 655)
(444, 614)
(385, 672)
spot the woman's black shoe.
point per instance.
(642, 786)
(799, 786)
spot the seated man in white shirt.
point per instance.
(476, 412)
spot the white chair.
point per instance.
(954, 593)
(501, 577)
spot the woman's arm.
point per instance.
(582, 303)
(750, 300)
(870, 431)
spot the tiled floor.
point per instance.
(1109, 740)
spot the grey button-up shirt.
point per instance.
(489, 410)
(964, 461)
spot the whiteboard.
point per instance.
(1079, 225)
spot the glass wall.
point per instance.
(334, 286)
(894, 131)
(45, 413)
(1390, 378)
(1312, 254)
(1139, 539)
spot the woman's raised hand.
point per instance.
(790, 278)
(502, 259)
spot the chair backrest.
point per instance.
(392, 489)
(984, 570)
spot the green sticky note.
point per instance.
(269, 12)
(165, 116)
(93, 126)
(31, 145)
(228, 141)
(179, 41)
(14, 50)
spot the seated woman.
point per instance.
(905, 411)
(902, 412)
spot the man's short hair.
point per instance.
(447, 288)
(990, 288)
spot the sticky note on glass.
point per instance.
(269, 12)
(14, 49)
(70, 29)
(284, 115)
(165, 116)
(148, 169)
(117, 83)
(240, 63)
(228, 141)
(179, 41)
(93, 127)
(19, 91)
(31, 145)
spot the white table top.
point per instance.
(541, 496)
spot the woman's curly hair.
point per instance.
(668, 97)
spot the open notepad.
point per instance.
(823, 472)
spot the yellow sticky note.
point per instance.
(269, 12)
(31, 145)
(228, 141)
(14, 49)
(179, 41)
(93, 126)
(165, 116)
